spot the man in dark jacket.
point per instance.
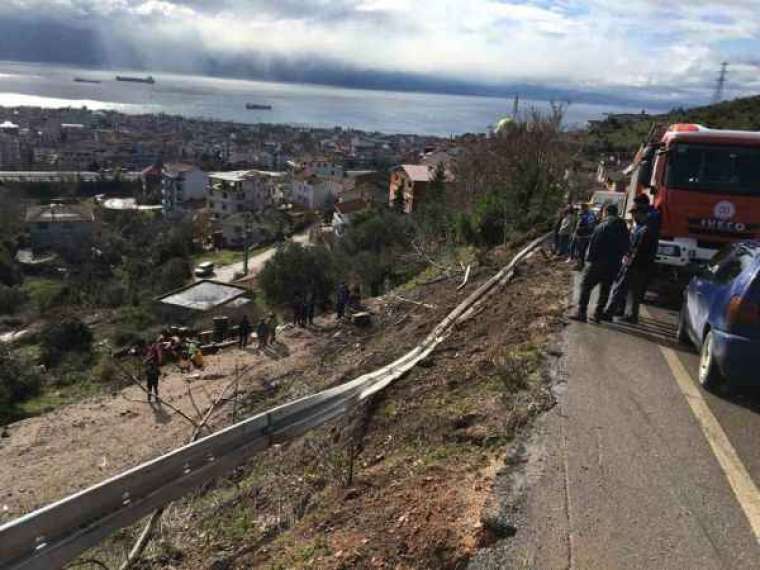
(244, 332)
(638, 265)
(607, 246)
(152, 375)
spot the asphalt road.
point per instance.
(227, 273)
(637, 466)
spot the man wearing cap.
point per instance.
(608, 244)
(638, 266)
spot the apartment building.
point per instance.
(228, 193)
(182, 187)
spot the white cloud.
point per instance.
(636, 43)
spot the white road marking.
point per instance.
(739, 479)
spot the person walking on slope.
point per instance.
(272, 325)
(298, 310)
(582, 237)
(262, 333)
(638, 267)
(607, 246)
(152, 375)
(342, 299)
(244, 332)
(310, 307)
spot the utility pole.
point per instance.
(247, 230)
(721, 83)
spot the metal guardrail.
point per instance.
(56, 534)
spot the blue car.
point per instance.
(721, 316)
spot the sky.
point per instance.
(641, 50)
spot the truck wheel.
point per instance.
(709, 375)
(682, 334)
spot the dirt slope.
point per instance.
(423, 455)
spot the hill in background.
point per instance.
(625, 135)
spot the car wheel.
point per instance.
(709, 375)
(682, 334)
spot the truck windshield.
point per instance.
(724, 169)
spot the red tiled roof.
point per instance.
(418, 172)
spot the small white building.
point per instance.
(182, 186)
(313, 192)
(229, 193)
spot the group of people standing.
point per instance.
(266, 331)
(620, 262)
(304, 308)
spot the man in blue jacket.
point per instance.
(608, 245)
(586, 224)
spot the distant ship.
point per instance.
(255, 107)
(83, 80)
(148, 79)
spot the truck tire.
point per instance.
(709, 375)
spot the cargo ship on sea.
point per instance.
(84, 80)
(148, 79)
(257, 107)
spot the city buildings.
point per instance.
(183, 188)
(315, 193)
(237, 191)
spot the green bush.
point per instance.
(294, 271)
(9, 272)
(44, 293)
(174, 273)
(11, 300)
(62, 337)
(19, 381)
(105, 371)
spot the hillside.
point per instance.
(613, 135)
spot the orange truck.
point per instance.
(705, 184)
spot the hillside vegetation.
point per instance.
(613, 135)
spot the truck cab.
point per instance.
(706, 185)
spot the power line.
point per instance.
(721, 83)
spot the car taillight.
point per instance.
(742, 312)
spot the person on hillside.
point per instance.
(310, 308)
(244, 331)
(566, 230)
(607, 247)
(272, 325)
(342, 297)
(638, 267)
(152, 376)
(582, 237)
(262, 333)
(298, 310)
